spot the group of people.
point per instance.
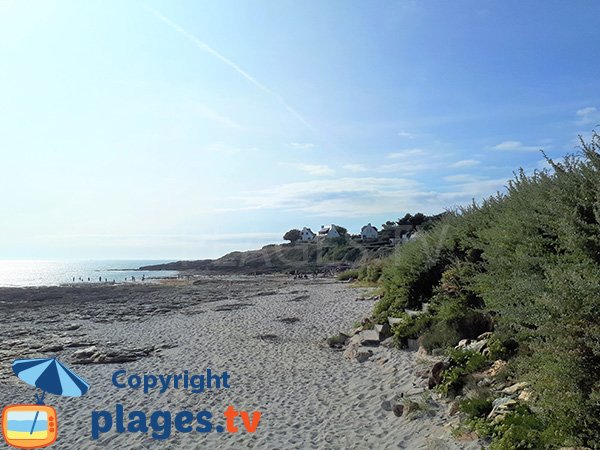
(105, 280)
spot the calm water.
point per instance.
(53, 273)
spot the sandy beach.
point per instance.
(267, 332)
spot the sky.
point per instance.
(185, 130)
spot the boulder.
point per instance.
(497, 367)
(395, 320)
(501, 406)
(525, 395)
(369, 338)
(387, 405)
(398, 409)
(435, 376)
(85, 353)
(361, 354)
(384, 330)
(515, 388)
(477, 346)
(463, 343)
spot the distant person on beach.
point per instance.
(88, 278)
(143, 277)
(132, 278)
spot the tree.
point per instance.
(417, 219)
(293, 235)
(405, 220)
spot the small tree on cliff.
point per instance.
(292, 235)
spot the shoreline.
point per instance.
(268, 332)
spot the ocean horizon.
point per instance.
(27, 273)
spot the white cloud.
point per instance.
(406, 153)
(588, 115)
(406, 134)
(515, 146)
(301, 146)
(354, 197)
(314, 169)
(354, 167)
(466, 163)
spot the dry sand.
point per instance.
(310, 396)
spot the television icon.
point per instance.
(29, 426)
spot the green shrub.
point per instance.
(462, 364)
(410, 328)
(347, 275)
(477, 406)
(526, 262)
(520, 430)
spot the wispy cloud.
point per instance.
(354, 167)
(301, 145)
(313, 169)
(409, 153)
(208, 49)
(517, 146)
(355, 197)
(588, 116)
(465, 163)
(406, 134)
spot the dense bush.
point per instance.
(462, 364)
(526, 262)
(350, 274)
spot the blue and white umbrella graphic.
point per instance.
(51, 376)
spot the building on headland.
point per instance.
(307, 235)
(329, 232)
(368, 232)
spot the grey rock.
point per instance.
(384, 330)
(477, 346)
(395, 320)
(369, 338)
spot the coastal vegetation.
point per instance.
(525, 266)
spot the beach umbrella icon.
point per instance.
(51, 376)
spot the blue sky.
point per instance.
(181, 129)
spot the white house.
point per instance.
(368, 232)
(306, 235)
(329, 232)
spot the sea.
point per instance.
(23, 273)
